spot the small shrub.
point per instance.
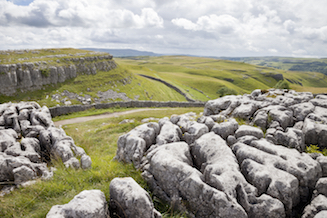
(226, 91)
(282, 84)
(45, 72)
(316, 149)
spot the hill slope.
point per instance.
(196, 78)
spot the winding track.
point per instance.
(102, 116)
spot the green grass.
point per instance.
(209, 75)
(99, 139)
(199, 78)
(36, 55)
(114, 79)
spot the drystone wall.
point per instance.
(62, 110)
(33, 76)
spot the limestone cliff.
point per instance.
(30, 76)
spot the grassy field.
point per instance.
(99, 139)
(288, 63)
(49, 55)
(202, 77)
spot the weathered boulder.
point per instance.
(86, 161)
(172, 177)
(278, 171)
(322, 160)
(320, 100)
(292, 138)
(317, 205)
(195, 131)
(246, 130)
(208, 121)
(321, 186)
(225, 129)
(220, 170)
(20, 169)
(88, 203)
(246, 109)
(301, 111)
(315, 130)
(28, 138)
(129, 199)
(132, 146)
(227, 103)
(281, 114)
(169, 132)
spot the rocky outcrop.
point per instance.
(33, 76)
(219, 168)
(88, 203)
(28, 140)
(128, 199)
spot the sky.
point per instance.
(234, 28)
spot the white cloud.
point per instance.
(220, 28)
(224, 24)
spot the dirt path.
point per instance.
(102, 116)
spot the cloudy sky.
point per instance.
(198, 27)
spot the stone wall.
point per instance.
(61, 110)
(33, 76)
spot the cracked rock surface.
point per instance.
(216, 167)
(29, 140)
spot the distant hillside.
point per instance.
(286, 63)
(157, 78)
(123, 52)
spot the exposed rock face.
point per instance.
(28, 139)
(128, 199)
(33, 76)
(222, 169)
(132, 146)
(88, 203)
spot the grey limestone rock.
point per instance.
(23, 174)
(221, 170)
(301, 111)
(321, 214)
(320, 101)
(317, 205)
(88, 203)
(208, 121)
(225, 129)
(86, 162)
(281, 114)
(280, 172)
(322, 160)
(292, 138)
(315, 130)
(321, 186)
(169, 132)
(129, 199)
(27, 138)
(171, 172)
(132, 146)
(246, 130)
(228, 103)
(195, 131)
(246, 109)
(246, 139)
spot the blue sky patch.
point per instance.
(21, 2)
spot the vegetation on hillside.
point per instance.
(288, 63)
(200, 79)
